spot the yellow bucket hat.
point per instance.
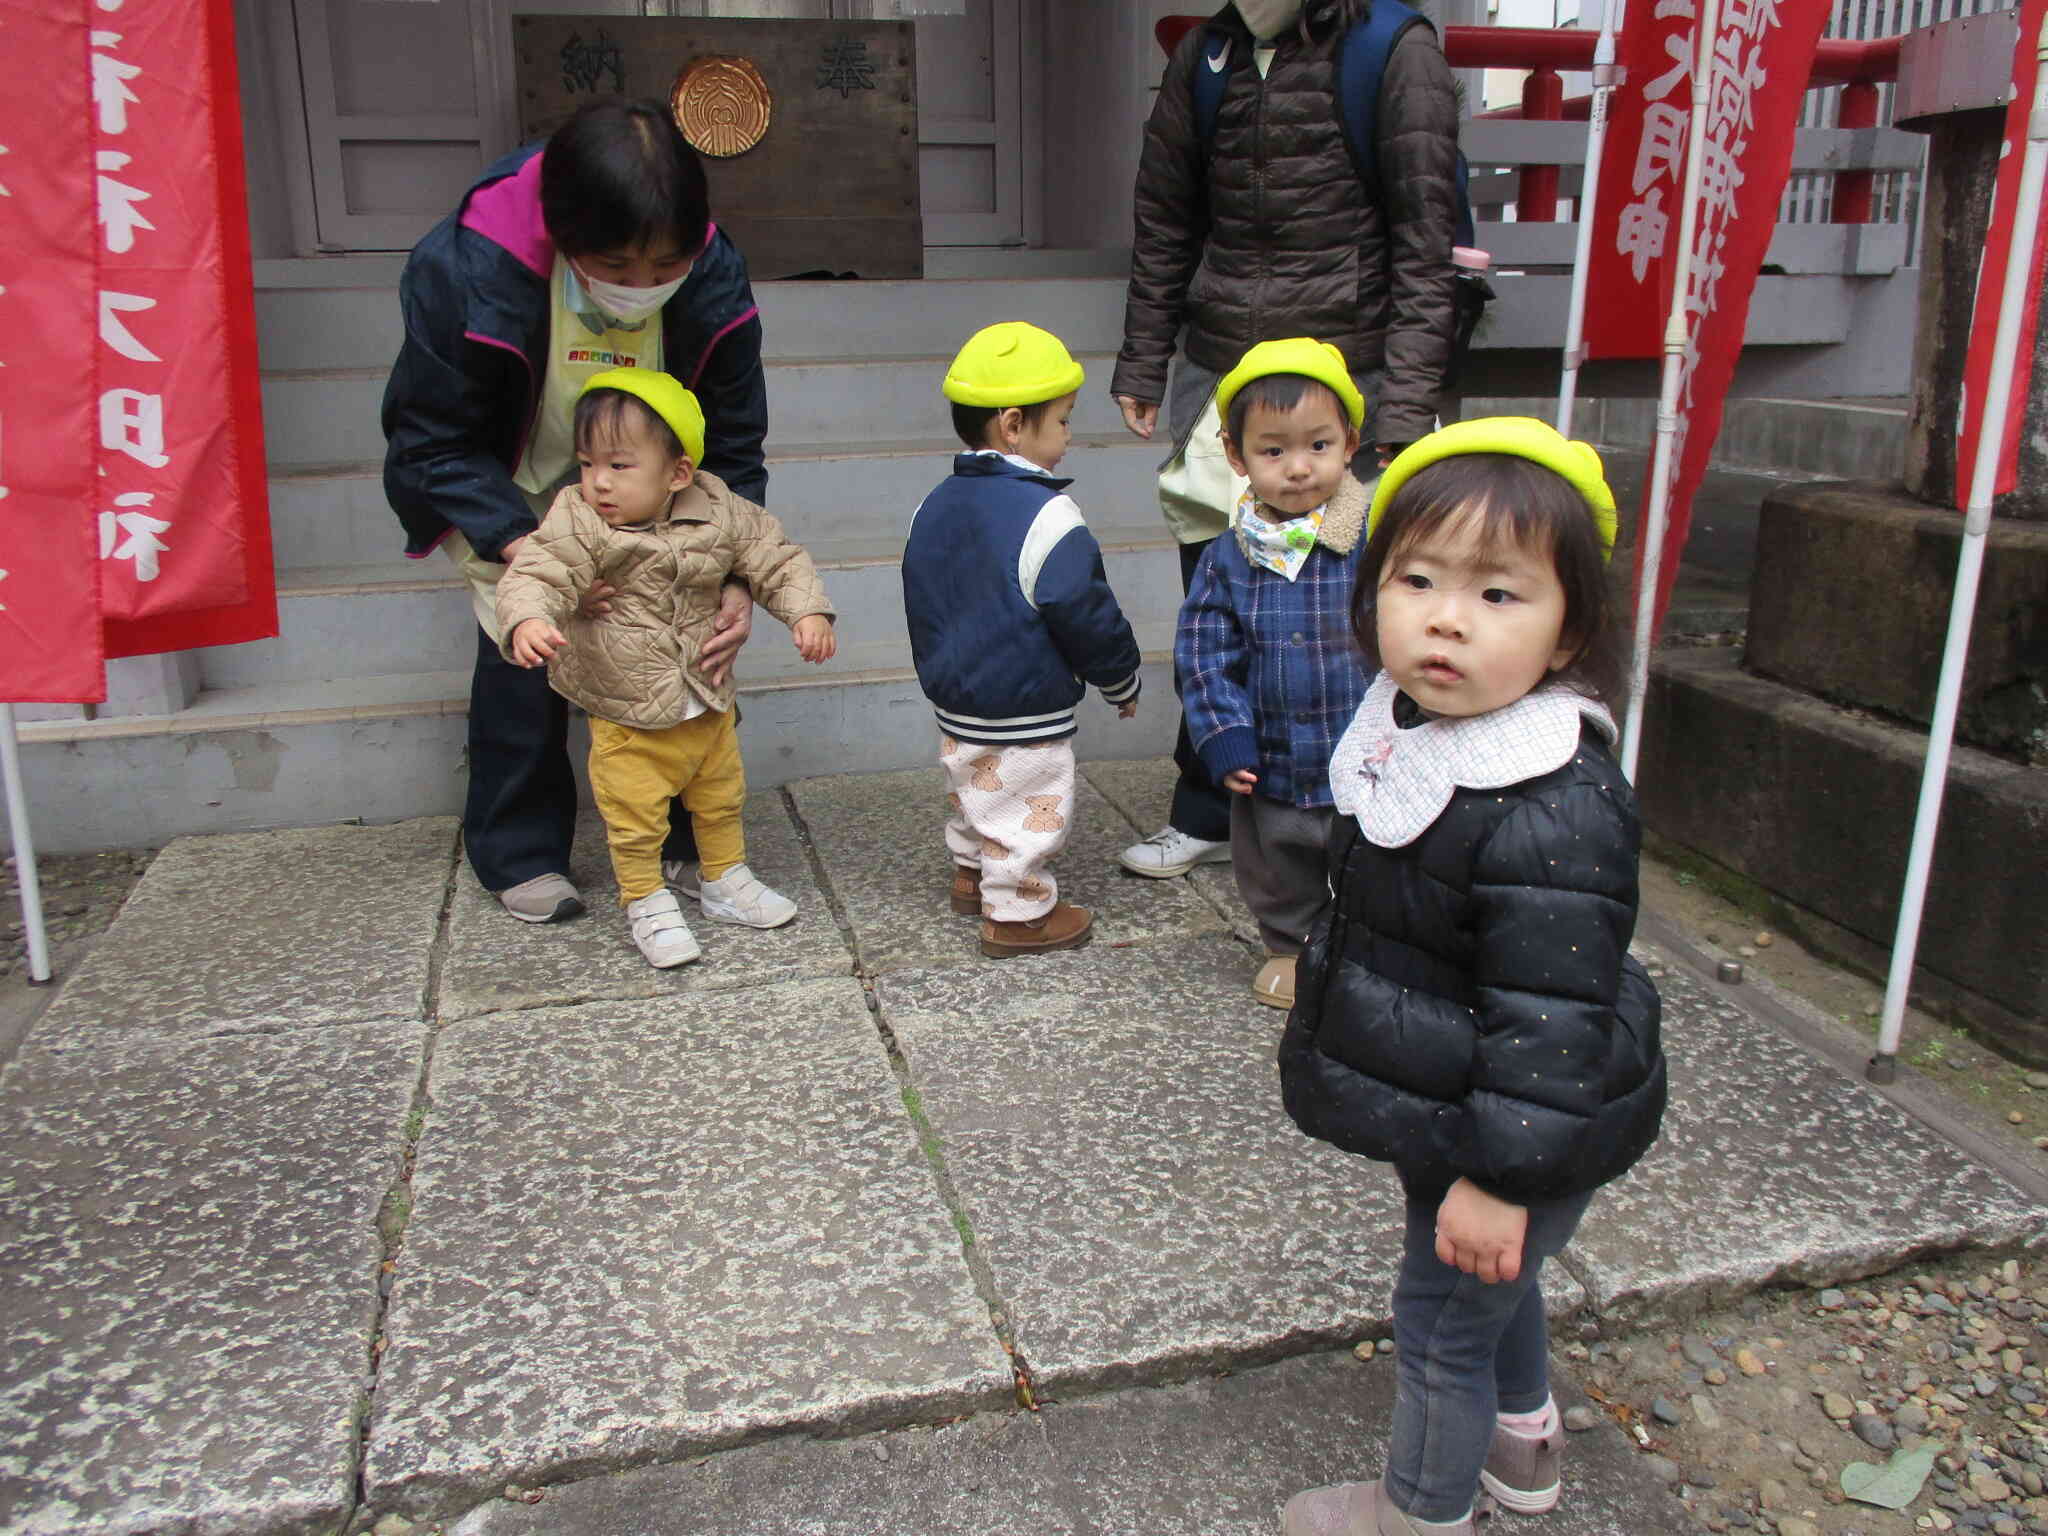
(665, 396)
(1304, 355)
(1524, 437)
(1012, 363)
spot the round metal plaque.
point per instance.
(722, 104)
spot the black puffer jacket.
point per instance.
(1276, 238)
(1467, 1006)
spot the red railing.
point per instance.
(1547, 52)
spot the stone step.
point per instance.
(386, 748)
(336, 514)
(329, 415)
(415, 616)
(351, 318)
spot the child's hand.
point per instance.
(1239, 781)
(1481, 1233)
(1127, 710)
(535, 642)
(814, 638)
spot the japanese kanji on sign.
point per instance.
(49, 612)
(1762, 52)
(135, 516)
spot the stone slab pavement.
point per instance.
(1110, 1122)
(644, 1230)
(1213, 1456)
(326, 1193)
(188, 1277)
(493, 965)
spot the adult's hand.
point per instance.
(1141, 416)
(510, 551)
(729, 632)
(595, 602)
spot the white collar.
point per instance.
(1396, 780)
(1017, 459)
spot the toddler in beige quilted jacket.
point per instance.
(664, 535)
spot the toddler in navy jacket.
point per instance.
(1011, 617)
(1269, 677)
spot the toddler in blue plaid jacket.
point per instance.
(1263, 654)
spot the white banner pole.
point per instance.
(24, 851)
(2005, 365)
(1605, 77)
(1652, 533)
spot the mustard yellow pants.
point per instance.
(633, 774)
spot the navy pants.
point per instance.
(520, 814)
(1464, 1351)
(1201, 806)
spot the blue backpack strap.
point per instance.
(1361, 67)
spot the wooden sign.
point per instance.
(808, 129)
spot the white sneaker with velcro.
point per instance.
(738, 896)
(658, 928)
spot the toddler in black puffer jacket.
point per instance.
(1466, 1008)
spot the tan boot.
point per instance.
(966, 895)
(1274, 985)
(1064, 927)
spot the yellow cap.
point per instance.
(1012, 363)
(1304, 355)
(1524, 437)
(665, 396)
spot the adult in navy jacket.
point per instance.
(620, 197)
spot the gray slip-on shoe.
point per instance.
(543, 899)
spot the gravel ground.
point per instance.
(1751, 1413)
(81, 893)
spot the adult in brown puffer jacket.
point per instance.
(1265, 233)
(1278, 239)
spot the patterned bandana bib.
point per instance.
(1281, 548)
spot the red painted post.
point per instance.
(1852, 188)
(1536, 185)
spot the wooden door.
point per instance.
(397, 96)
(970, 112)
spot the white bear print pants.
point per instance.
(1012, 808)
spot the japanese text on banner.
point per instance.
(50, 639)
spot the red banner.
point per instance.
(1762, 55)
(49, 610)
(182, 513)
(1991, 283)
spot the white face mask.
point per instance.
(1268, 18)
(628, 304)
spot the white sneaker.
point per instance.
(739, 897)
(658, 928)
(681, 876)
(1169, 852)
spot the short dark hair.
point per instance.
(602, 415)
(620, 173)
(1522, 502)
(1280, 392)
(971, 421)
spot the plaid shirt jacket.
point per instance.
(1268, 675)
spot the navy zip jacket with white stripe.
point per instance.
(1010, 612)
